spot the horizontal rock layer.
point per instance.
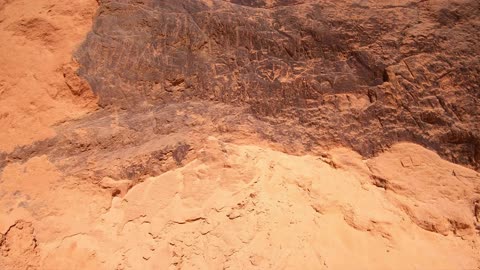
(357, 73)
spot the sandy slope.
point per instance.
(37, 84)
(246, 207)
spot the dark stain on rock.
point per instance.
(180, 153)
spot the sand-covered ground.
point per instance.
(243, 206)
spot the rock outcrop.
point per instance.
(239, 134)
(363, 74)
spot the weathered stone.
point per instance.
(355, 73)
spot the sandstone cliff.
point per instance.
(239, 134)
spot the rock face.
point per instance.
(240, 134)
(38, 82)
(363, 74)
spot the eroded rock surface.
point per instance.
(224, 133)
(363, 74)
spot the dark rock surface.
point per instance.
(358, 73)
(306, 75)
(211, 139)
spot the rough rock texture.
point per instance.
(224, 133)
(241, 206)
(37, 82)
(18, 247)
(363, 74)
